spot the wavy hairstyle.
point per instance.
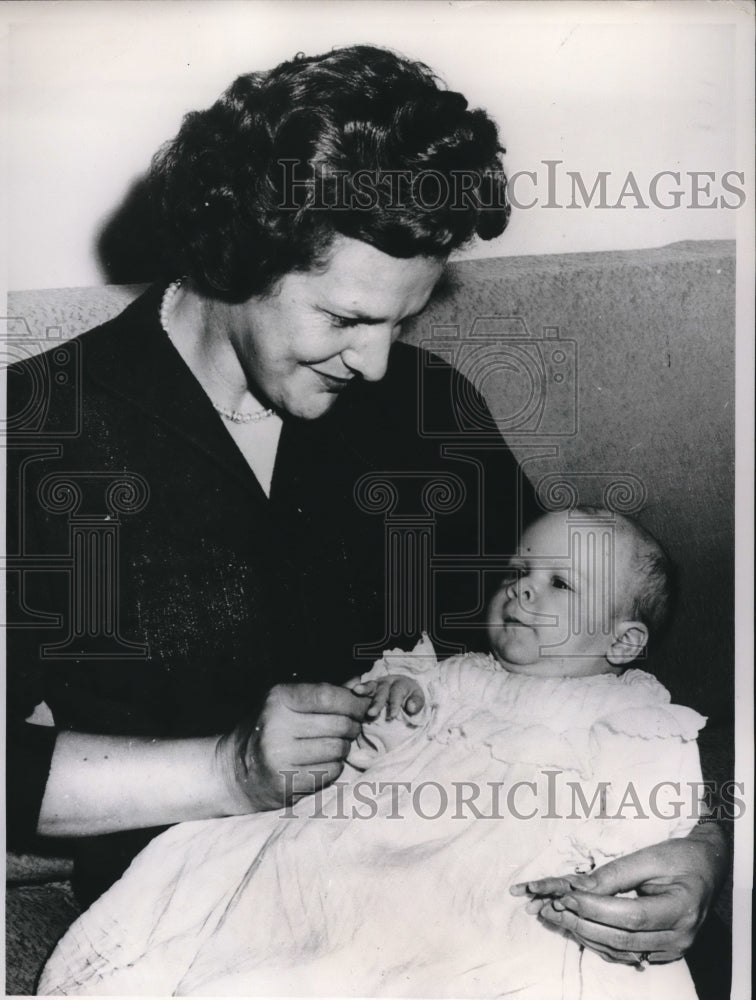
(358, 142)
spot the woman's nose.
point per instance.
(368, 352)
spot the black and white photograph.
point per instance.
(378, 461)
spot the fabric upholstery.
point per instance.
(35, 917)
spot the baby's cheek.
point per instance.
(497, 601)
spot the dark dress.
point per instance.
(153, 588)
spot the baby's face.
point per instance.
(555, 616)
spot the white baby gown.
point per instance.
(395, 882)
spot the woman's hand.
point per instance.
(297, 745)
(396, 693)
(676, 883)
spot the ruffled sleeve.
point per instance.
(420, 663)
(656, 723)
(646, 782)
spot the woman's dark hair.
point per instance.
(358, 142)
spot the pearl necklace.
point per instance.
(233, 416)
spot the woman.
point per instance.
(309, 212)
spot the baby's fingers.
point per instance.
(404, 692)
(415, 702)
(397, 696)
(380, 697)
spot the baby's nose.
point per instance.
(521, 589)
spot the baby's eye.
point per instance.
(559, 583)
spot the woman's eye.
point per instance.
(560, 584)
(342, 322)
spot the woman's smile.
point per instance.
(333, 383)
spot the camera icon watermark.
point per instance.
(529, 382)
(38, 369)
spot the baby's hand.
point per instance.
(396, 693)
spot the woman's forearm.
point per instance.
(103, 784)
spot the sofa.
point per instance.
(611, 375)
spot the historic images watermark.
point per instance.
(551, 794)
(317, 187)
(531, 377)
(89, 504)
(550, 185)
(46, 362)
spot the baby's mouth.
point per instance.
(510, 623)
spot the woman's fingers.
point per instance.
(612, 944)
(659, 912)
(542, 887)
(320, 751)
(319, 699)
(360, 687)
(674, 883)
(317, 726)
(622, 945)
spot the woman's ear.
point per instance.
(630, 639)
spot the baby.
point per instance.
(487, 770)
(584, 594)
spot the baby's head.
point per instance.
(587, 590)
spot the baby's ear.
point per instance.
(630, 639)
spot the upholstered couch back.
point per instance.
(611, 375)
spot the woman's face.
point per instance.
(302, 344)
